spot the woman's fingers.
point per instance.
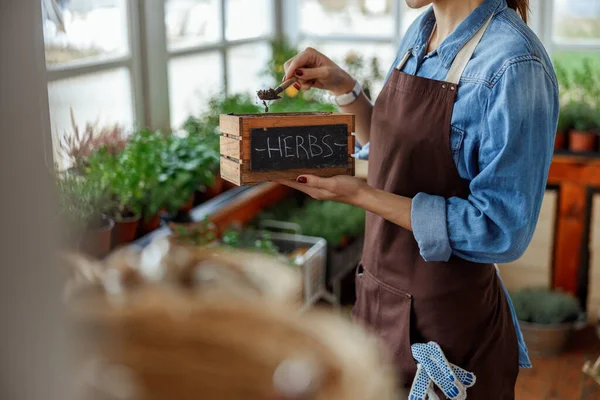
(312, 73)
(305, 85)
(306, 59)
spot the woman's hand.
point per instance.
(342, 188)
(313, 69)
(354, 191)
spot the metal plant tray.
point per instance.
(313, 262)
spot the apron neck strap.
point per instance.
(464, 55)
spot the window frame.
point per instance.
(149, 57)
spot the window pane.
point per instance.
(248, 19)
(245, 65)
(409, 15)
(347, 17)
(192, 80)
(84, 29)
(192, 22)
(103, 98)
(577, 20)
(343, 53)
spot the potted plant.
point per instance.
(564, 126)
(118, 180)
(76, 147)
(143, 158)
(190, 163)
(84, 227)
(583, 136)
(547, 319)
(204, 131)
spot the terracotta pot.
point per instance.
(582, 141)
(125, 231)
(560, 142)
(96, 241)
(215, 189)
(227, 185)
(189, 204)
(147, 225)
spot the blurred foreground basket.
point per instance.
(213, 324)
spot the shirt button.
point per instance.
(444, 86)
(451, 87)
(417, 47)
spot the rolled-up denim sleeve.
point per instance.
(496, 222)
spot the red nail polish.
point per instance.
(301, 179)
(299, 72)
(297, 86)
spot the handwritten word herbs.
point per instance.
(294, 146)
(299, 147)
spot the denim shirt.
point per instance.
(502, 137)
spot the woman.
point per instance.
(461, 140)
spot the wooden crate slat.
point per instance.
(308, 120)
(251, 178)
(231, 147)
(231, 171)
(230, 124)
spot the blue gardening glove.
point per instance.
(422, 386)
(452, 380)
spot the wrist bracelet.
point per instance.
(347, 98)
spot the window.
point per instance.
(78, 30)
(574, 33)
(245, 67)
(192, 22)
(367, 31)
(248, 19)
(148, 63)
(89, 61)
(154, 63)
(576, 21)
(192, 81)
(214, 46)
(347, 17)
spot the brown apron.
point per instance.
(458, 304)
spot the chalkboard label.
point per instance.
(299, 147)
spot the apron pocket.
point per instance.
(366, 308)
(395, 325)
(385, 311)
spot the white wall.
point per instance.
(534, 268)
(32, 333)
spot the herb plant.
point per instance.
(79, 145)
(545, 307)
(79, 203)
(330, 220)
(188, 164)
(144, 158)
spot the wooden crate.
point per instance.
(263, 147)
